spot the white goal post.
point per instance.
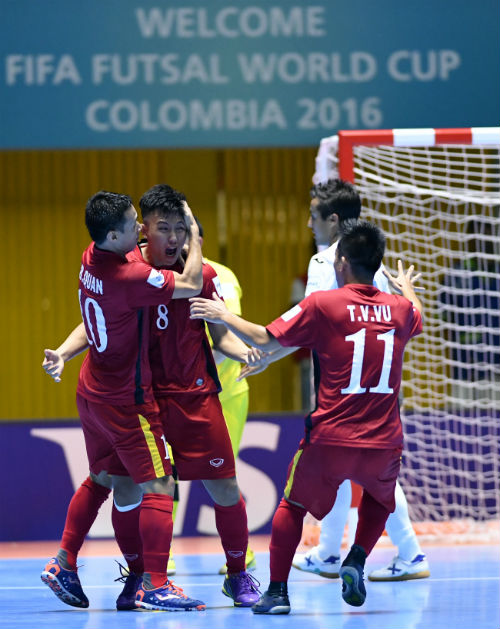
(436, 195)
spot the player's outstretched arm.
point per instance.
(190, 282)
(55, 359)
(228, 345)
(215, 311)
(272, 357)
(404, 283)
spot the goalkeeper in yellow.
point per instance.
(234, 394)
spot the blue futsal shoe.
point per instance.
(65, 584)
(131, 583)
(273, 601)
(167, 598)
(351, 573)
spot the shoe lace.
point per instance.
(126, 576)
(175, 589)
(124, 573)
(248, 582)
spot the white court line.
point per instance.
(209, 585)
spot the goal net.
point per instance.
(436, 195)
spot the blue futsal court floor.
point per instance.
(463, 592)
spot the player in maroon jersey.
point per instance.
(186, 387)
(359, 335)
(120, 418)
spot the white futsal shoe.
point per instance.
(312, 562)
(401, 570)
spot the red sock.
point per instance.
(285, 537)
(371, 522)
(128, 538)
(82, 512)
(156, 527)
(231, 523)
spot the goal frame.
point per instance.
(347, 140)
(336, 158)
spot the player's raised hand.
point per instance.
(403, 283)
(404, 279)
(53, 364)
(190, 222)
(212, 310)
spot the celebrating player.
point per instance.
(119, 416)
(332, 203)
(358, 334)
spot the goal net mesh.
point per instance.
(439, 209)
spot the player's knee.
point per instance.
(103, 479)
(125, 491)
(223, 491)
(164, 485)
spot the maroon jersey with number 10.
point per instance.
(113, 294)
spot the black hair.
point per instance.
(363, 245)
(163, 199)
(105, 212)
(336, 196)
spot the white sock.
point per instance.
(333, 524)
(400, 529)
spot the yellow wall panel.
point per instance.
(253, 205)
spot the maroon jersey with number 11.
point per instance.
(359, 335)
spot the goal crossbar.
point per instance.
(347, 140)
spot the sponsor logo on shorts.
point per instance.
(216, 462)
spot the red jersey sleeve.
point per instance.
(296, 327)
(145, 285)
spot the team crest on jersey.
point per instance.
(216, 462)
(156, 278)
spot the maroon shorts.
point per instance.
(124, 440)
(316, 471)
(195, 428)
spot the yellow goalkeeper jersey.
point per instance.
(229, 369)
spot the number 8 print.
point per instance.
(162, 321)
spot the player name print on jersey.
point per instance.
(369, 313)
(91, 283)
